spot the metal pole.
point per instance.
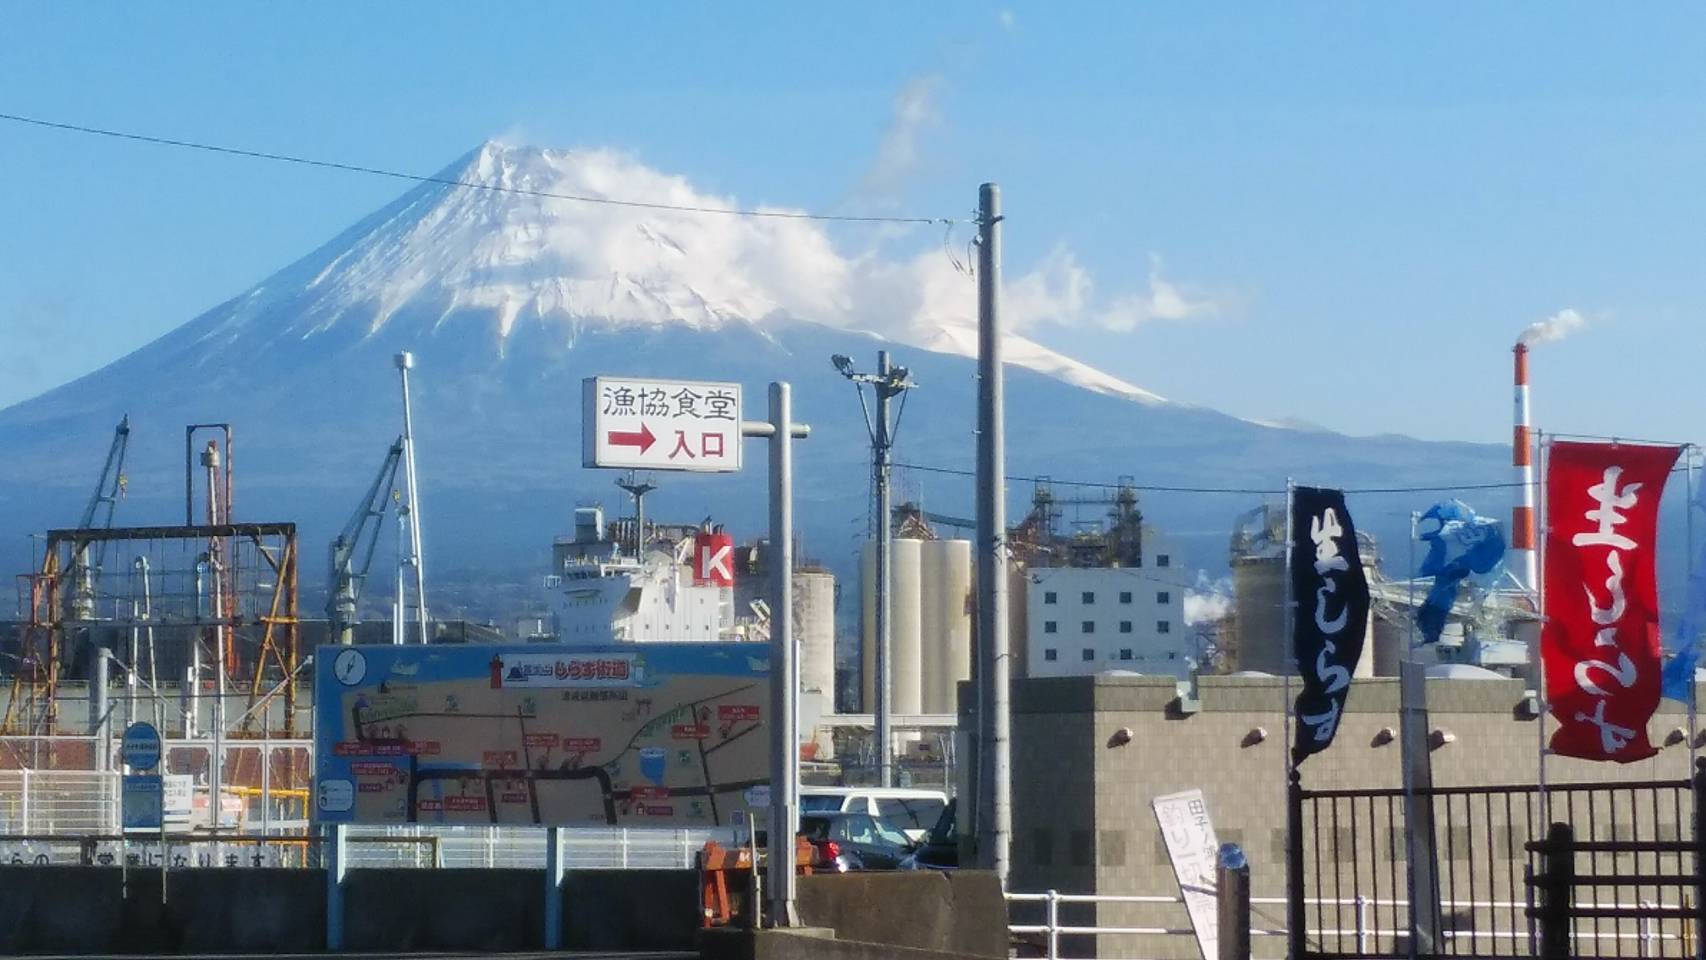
(335, 865)
(216, 764)
(1295, 916)
(784, 722)
(1538, 586)
(994, 772)
(883, 684)
(1688, 512)
(98, 710)
(1232, 903)
(1287, 612)
(553, 889)
(405, 361)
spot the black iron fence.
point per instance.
(1348, 864)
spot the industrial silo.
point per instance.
(1260, 594)
(814, 626)
(946, 601)
(906, 632)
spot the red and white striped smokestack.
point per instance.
(1522, 546)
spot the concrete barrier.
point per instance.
(808, 944)
(469, 909)
(960, 912)
(630, 909)
(90, 910)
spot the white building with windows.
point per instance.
(1084, 620)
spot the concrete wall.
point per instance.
(85, 910)
(1111, 845)
(961, 913)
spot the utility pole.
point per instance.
(405, 362)
(782, 431)
(994, 795)
(889, 382)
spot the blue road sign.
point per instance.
(140, 747)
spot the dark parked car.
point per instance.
(855, 841)
(941, 847)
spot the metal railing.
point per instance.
(1650, 937)
(1352, 846)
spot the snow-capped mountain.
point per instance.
(509, 298)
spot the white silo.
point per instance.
(906, 636)
(947, 621)
(814, 625)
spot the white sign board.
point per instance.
(1191, 846)
(178, 791)
(627, 422)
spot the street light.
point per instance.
(888, 382)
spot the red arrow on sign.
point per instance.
(643, 438)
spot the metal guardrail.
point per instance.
(1649, 937)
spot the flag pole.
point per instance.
(1289, 615)
(1294, 886)
(1688, 451)
(1539, 587)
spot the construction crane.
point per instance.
(352, 550)
(108, 490)
(31, 708)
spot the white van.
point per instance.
(911, 811)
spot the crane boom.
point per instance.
(108, 489)
(352, 550)
(112, 482)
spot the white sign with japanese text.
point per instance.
(660, 424)
(1189, 835)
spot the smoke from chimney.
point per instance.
(1556, 327)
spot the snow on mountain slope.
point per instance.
(568, 266)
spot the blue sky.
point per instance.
(1366, 202)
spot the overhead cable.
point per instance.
(1246, 491)
(490, 187)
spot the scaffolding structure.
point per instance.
(211, 607)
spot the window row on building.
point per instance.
(1089, 654)
(1089, 626)
(1163, 597)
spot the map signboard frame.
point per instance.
(632, 735)
(644, 423)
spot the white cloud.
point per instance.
(1006, 19)
(913, 111)
(1061, 291)
(1553, 328)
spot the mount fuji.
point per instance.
(508, 299)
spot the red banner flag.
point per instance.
(1600, 641)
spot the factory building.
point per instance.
(1083, 620)
(1108, 595)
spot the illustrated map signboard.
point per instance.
(1191, 846)
(640, 424)
(642, 734)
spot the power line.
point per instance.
(493, 188)
(1246, 491)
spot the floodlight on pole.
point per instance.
(888, 382)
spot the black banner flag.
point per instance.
(1330, 615)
